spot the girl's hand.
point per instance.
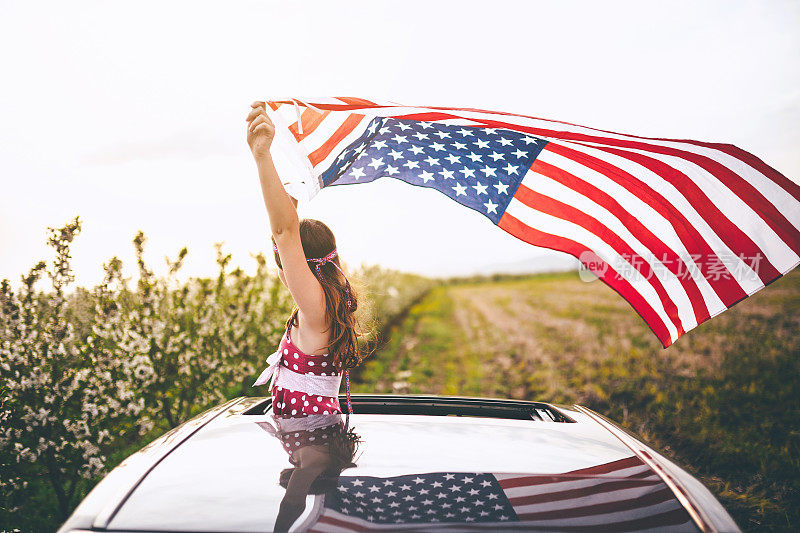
(260, 130)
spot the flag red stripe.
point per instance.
(765, 209)
(327, 519)
(522, 231)
(728, 290)
(603, 469)
(341, 132)
(668, 518)
(310, 119)
(564, 211)
(734, 151)
(582, 492)
(607, 468)
(738, 185)
(639, 230)
(736, 239)
(653, 498)
(356, 101)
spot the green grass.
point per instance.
(723, 401)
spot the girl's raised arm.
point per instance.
(284, 222)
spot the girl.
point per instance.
(319, 344)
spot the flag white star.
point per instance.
(392, 170)
(425, 125)
(380, 144)
(519, 153)
(357, 172)
(400, 138)
(459, 190)
(481, 190)
(495, 156)
(503, 141)
(437, 146)
(468, 172)
(501, 189)
(464, 132)
(416, 150)
(372, 127)
(411, 164)
(384, 130)
(480, 143)
(403, 126)
(448, 174)
(376, 163)
(420, 136)
(474, 156)
(529, 140)
(374, 488)
(453, 159)
(442, 134)
(397, 155)
(489, 171)
(418, 480)
(426, 176)
(460, 146)
(511, 169)
(357, 482)
(432, 161)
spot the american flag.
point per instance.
(623, 495)
(681, 229)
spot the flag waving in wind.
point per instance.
(681, 229)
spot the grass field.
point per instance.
(723, 401)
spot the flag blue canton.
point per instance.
(480, 168)
(422, 498)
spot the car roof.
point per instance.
(225, 475)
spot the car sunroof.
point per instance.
(443, 406)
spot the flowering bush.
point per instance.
(95, 374)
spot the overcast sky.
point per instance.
(131, 115)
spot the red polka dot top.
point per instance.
(297, 403)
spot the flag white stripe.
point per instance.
(564, 228)
(750, 282)
(655, 222)
(783, 200)
(606, 518)
(573, 483)
(602, 496)
(359, 130)
(670, 282)
(620, 473)
(323, 132)
(734, 208)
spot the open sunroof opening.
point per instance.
(443, 406)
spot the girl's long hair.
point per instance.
(318, 241)
(342, 447)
